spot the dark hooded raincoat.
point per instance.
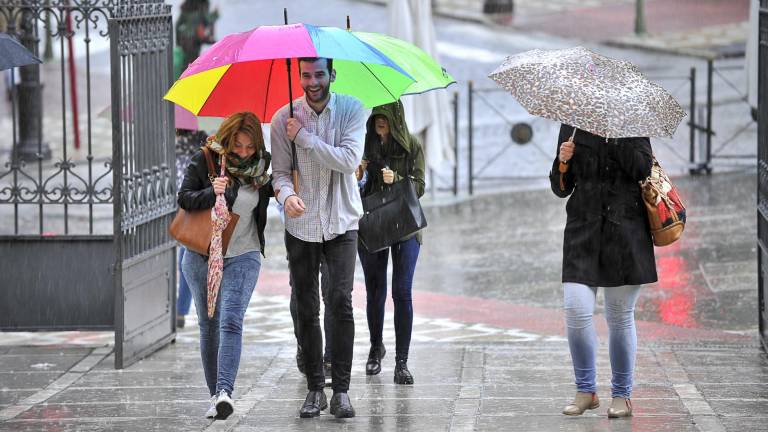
(403, 154)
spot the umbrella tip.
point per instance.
(348, 26)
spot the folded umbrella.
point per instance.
(220, 217)
(598, 94)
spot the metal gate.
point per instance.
(83, 240)
(144, 178)
(762, 187)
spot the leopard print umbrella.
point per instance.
(578, 87)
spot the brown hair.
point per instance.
(245, 122)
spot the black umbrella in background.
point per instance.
(13, 54)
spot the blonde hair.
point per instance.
(245, 122)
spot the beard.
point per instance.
(324, 92)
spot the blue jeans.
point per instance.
(404, 256)
(184, 302)
(582, 338)
(221, 337)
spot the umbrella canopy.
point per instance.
(186, 120)
(429, 75)
(247, 72)
(13, 54)
(578, 87)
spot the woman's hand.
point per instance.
(389, 175)
(219, 185)
(566, 151)
(361, 169)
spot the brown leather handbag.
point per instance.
(666, 211)
(193, 228)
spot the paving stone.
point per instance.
(106, 425)
(585, 423)
(144, 409)
(26, 380)
(735, 391)
(740, 424)
(131, 394)
(39, 362)
(741, 408)
(9, 397)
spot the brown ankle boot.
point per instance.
(620, 407)
(581, 403)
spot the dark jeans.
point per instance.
(404, 256)
(327, 316)
(304, 264)
(221, 337)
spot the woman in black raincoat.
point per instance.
(607, 244)
(391, 154)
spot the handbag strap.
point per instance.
(209, 162)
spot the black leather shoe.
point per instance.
(373, 367)
(402, 374)
(313, 404)
(300, 359)
(341, 406)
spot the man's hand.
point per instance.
(292, 127)
(294, 206)
(389, 175)
(566, 151)
(219, 185)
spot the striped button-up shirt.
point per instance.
(328, 148)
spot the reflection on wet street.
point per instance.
(509, 247)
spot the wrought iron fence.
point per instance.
(762, 171)
(49, 184)
(697, 137)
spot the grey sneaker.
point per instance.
(211, 413)
(224, 405)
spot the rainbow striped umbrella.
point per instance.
(247, 71)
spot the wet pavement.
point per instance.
(459, 387)
(488, 351)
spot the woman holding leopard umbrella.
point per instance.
(608, 109)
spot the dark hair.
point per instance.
(328, 61)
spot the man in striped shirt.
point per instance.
(322, 215)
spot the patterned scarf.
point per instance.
(252, 170)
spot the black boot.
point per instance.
(373, 367)
(402, 374)
(313, 404)
(341, 406)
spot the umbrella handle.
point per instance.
(294, 161)
(563, 167)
